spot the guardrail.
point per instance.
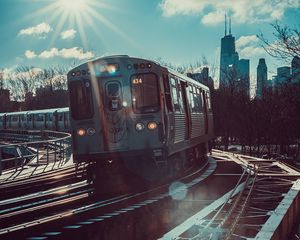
(21, 148)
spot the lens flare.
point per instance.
(178, 190)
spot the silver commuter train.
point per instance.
(56, 119)
(137, 112)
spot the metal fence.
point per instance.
(21, 148)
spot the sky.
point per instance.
(50, 33)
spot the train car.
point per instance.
(2, 121)
(135, 112)
(62, 120)
(56, 119)
(13, 120)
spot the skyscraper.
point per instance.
(283, 75)
(261, 77)
(243, 73)
(233, 72)
(228, 59)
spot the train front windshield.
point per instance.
(81, 100)
(145, 94)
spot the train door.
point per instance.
(47, 119)
(66, 120)
(205, 112)
(113, 117)
(168, 113)
(184, 93)
(30, 121)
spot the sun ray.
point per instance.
(43, 11)
(113, 27)
(96, 30)
(81, 30)
(80, 15)
(58, 29)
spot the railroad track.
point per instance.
(11, 187)
(239, 214)
(242, 212)
(83, 210)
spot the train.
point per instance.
(133, 112)
(56, 119)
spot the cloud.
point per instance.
(68, 34)
(74, 52)
(49, 54)
(248, 46)
(174, 7)
(212, 12)
(39, 30)
(245, 40)
(30, 54)
(252, 51)
(213, 18)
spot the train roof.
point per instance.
(50, 110)
(187, 79)
(111, 57)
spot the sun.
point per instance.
(73, 5)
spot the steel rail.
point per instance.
(105, 203)
(237, 218)
(43, 193)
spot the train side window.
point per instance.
(145, 93)
(167, 93)
(50, 117)
(196, 100)
(208, 101)
(175, 95)
(81, 103)
(180, 98)
(15, 118)
(200, 99)
(39, 117)
(191, 98)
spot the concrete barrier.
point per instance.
(281, 222)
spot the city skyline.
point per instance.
(50, 33)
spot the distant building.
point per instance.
(243, 70)
(233, 72)
(203, 77)
(283, 75)
(261, 77)
(295, 69)
(229, 58)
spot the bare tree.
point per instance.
(23, 81)
(286, 44)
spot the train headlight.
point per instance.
(152, 125)
(81, 132)
(139, 126)
(91, 131)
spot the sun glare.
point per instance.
(79, 15)
(73, 5)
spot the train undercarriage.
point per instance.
(116, 175)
